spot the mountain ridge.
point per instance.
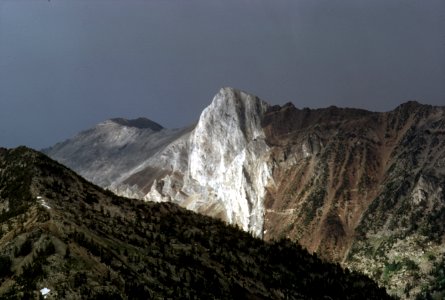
(318, 177)
(66, 237)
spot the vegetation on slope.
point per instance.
(364, 189)
(61, 232)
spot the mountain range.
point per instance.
(360, 188)
(62, 237)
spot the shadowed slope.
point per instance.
(65, 234)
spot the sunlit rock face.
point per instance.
(219, 167)
(228, 156)
(225, 168)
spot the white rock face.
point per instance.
(219, 168)
(228, 156)
(227, 167)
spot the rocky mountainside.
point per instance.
(104, 154)
(218, 167)
(65, 238)
(362, 188)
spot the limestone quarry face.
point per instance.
(361, 188)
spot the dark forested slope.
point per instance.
(58, 231)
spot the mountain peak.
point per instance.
(231, 127)
(235, 103)
(411, 104)
(140, 123)
(236, 96)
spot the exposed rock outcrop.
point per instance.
(220, 167)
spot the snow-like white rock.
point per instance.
(227, 156)
(227, 165)
(45, 291)
(42, 202)
(219, 167)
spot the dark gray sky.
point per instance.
(66, 65)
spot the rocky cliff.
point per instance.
(218, 167)
(357, 187)
(226, 168)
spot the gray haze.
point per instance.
(67, 65)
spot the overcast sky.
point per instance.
(66, 65)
